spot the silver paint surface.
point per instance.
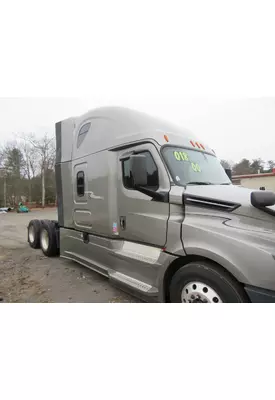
(242, 241)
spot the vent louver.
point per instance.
(205, 202)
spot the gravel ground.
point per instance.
(27, 276)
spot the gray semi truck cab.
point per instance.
(148, 205)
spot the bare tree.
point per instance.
(225, 164)
(31, 161)
(271, 165)
(242, 167)
(257, 166)
(44, 148)
(1, 157)
(13, 163)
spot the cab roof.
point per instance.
(131, 121)
(113, 127)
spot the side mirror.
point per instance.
(138, 170)
(229, 173)
(262, 199)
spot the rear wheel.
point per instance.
(204, 282)
(34, 228)
(48, 239)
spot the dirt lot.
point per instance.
(27, 276)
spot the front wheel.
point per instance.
(204, 282)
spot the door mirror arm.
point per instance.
(157, 196)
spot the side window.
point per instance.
(80, 183)
(152, 172)
(82, 133)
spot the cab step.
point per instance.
(145, 288)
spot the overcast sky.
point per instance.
(234, 128)
(207, 65)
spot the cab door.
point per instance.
(81, 211)
(142, 219)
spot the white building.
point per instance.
(256, 181)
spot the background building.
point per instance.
(255, 181)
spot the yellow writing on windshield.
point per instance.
(181, 156)
(196, 167)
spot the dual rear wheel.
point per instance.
(44, 234)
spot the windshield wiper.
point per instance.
(199, 183)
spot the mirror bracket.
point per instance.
(157, 196)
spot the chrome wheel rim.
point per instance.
(199, 292)
(31, 234)
(44, 239)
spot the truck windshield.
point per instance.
(194, 167)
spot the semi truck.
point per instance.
(148, 205)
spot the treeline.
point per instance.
(27, 170)
(246, 167)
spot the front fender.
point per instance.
(244, 254)
(216, 256)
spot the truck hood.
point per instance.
(232, 194)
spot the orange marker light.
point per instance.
(166, 138)
(197, 144)
(192, 143)
(202, 146)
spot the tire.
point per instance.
(48, 239)
(34, 228)
(204, 282)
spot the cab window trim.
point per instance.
(82, 133)
(80, 186)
